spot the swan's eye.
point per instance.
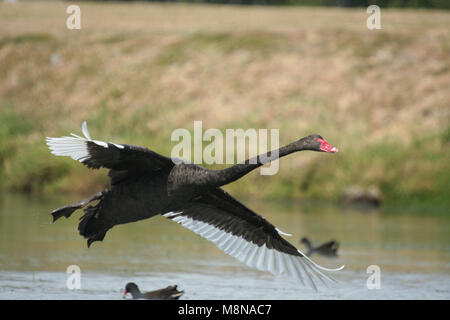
(326, 147)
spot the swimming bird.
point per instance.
(328, 249)
(169, 293)
(144, 183)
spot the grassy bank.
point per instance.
(138, 71)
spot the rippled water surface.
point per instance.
(412, 251)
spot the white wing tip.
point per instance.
(320, 267)
(260, 257)
(72, 146)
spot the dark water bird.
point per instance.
(328, 249)
(169, 293)
(145, 183)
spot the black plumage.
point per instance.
(145, 183)
(168, 293)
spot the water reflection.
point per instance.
(34, 253)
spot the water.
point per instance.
(412, 251)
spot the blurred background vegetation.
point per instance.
(432, 4)
(137, 71)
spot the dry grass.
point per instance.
(137, 71)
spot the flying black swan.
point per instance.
(328, 249)
(145, 183)
(169, 293)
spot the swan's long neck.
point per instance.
(228, 175)
(191, 178)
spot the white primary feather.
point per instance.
(279, 263)
(75, 146)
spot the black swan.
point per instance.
(328, 249)
(145, 183)
(169, 293)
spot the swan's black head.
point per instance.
(317, 143)
(131, 287)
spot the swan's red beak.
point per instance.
(326, 147)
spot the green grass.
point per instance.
(260, 43)
(26, 38)
(379, 96)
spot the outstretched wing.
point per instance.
(118, 157)
(247, 236)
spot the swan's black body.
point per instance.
(144, 184)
